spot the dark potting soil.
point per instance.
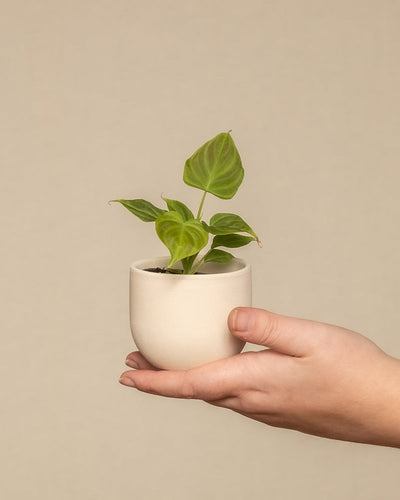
(156, 270)
(162, 270)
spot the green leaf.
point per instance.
(215, 167)
(231, 240)
(181, 208)
(182, 238)
(228, 224)
(218, 256)
(143, 209)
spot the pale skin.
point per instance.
(316, 378)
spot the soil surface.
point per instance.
(156, 270)
(162, 270)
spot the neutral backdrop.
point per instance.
(104, 99)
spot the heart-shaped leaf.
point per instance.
(228, 224)
(182, 238)
(231, 240)
(218, 256)
(181, 208)
(143, 209)
(215, 167)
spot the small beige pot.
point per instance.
(180, 321)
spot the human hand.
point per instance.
(315, 378)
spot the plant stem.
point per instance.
(187, 263)
(199, 213)
(196, 267)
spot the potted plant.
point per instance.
(179, 304)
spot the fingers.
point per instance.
(292, 336)
(137, 361)
(210, 382)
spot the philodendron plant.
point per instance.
(215, 168)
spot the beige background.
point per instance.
(107, 98)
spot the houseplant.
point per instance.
(179, 304)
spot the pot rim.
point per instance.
(140, 266)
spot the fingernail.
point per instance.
(127, 381)
(131, 364)
(241, 320)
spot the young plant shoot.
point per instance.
(215, 168)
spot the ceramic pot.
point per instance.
(179, 321)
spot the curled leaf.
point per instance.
(181, 208)
(143, 209)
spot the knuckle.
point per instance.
(187, 390)
(270, 329)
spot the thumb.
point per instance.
(292, 336)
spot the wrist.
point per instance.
(385, 421)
